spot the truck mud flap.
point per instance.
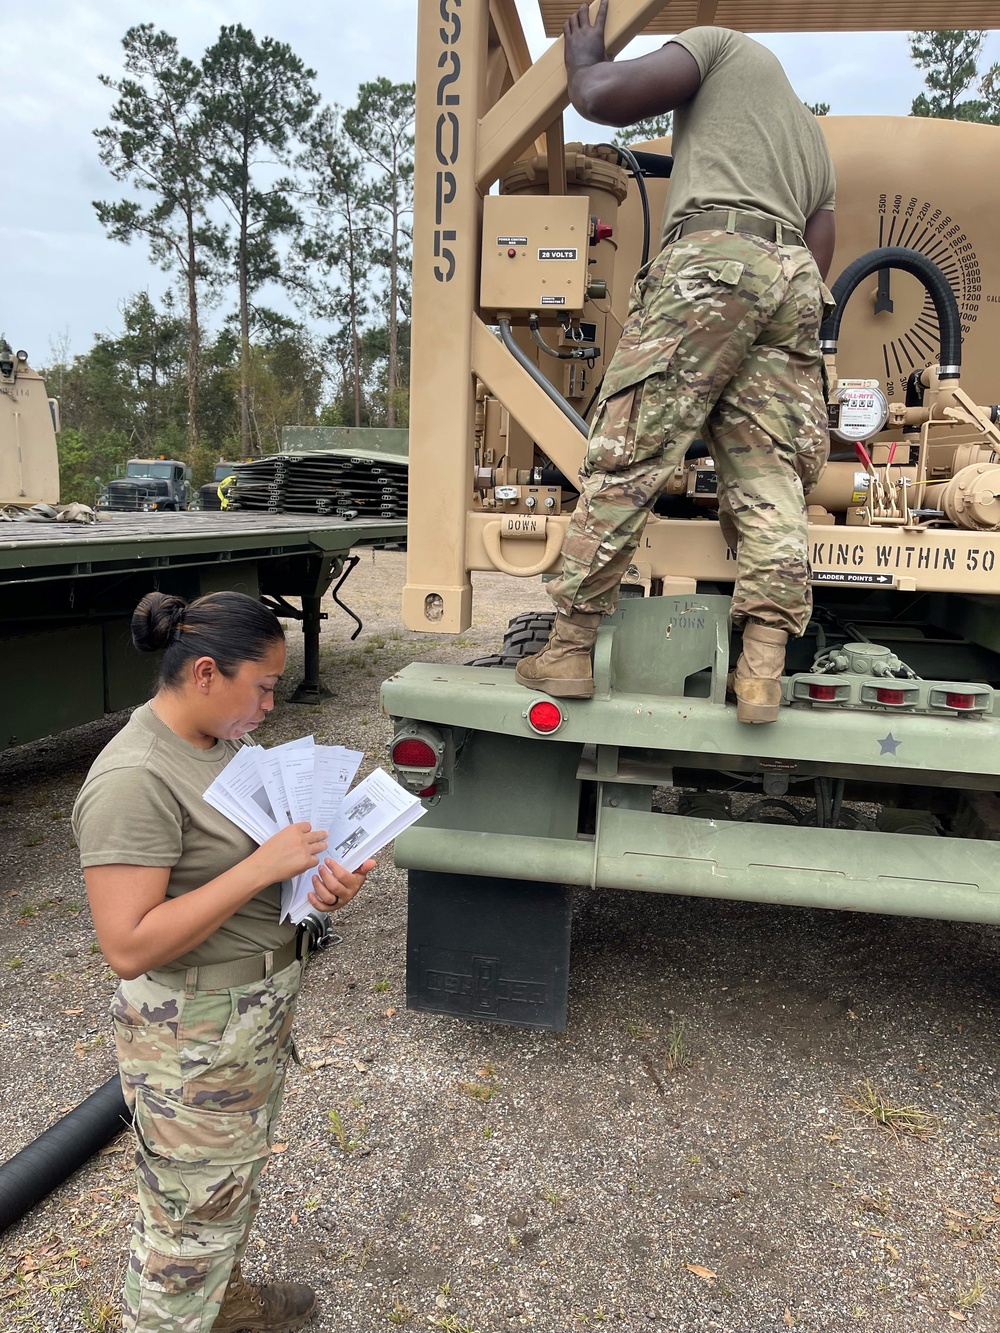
(492, 949)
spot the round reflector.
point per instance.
(960, 701)
(890, 696)
(428, 792)
(822, 693)
(411, 753)
(544, 717)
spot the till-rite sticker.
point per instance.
(558, 254)
(553, 300)
(512, 240)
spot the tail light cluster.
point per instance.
(879, 692)
(417, 754)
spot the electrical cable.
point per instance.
(627, 156)
(550, 391)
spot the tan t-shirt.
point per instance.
(142, 805)
(745, 141)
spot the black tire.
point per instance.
(526, 634)
(494, 660)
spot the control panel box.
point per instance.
(535, 251)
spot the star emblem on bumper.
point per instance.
(889, 745)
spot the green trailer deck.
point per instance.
(67, 592)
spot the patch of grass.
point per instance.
(341, 1136)
(451, 1323)
(966, 1297)
(638, 1030)
(15, 962)
(874, 1107)
(678, 1052)
(480, 1092)
(400, 1314)
(27, 912)
(381, 987)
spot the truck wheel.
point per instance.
(527, 633)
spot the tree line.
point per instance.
(237, 178)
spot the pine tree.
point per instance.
(259, 98)
(949, 57)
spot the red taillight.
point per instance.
(410, 753)
(428, 792)
(960, 701)
(822, 693)
(544, 717)
(894, 697)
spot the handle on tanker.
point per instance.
(553, 545)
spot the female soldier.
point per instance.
(186, 910)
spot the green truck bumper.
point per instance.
(512, 809)
(947, 878)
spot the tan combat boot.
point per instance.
(756, 682)
(271, 1307)
(563, 666)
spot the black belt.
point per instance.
(769, 229)
(239, 972)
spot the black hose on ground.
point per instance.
(935, 284)
(37, 1169)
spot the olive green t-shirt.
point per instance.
(142, 804)
(745, 141)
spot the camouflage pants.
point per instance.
(721, 341)
(203, 1072)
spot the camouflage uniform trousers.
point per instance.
(203, 1073)
(721, 341)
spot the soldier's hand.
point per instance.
(334, 887)
(583, 42)
(295, 849)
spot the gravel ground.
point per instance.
(682, 1157)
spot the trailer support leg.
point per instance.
(311, 689)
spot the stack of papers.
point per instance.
(262, 791)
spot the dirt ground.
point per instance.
(685, 1156)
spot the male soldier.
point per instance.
(721, 341)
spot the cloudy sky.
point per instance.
(63, 279)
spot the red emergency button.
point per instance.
(511, 253)
(602, 231)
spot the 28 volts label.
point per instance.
(558, 254)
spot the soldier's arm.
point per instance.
(821, 237)
(632, 90)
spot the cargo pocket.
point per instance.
(708, 280)
(229, 1045)
(630, 424)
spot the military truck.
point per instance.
(29, 423)
(210, 495)
(150, 486)
(876, 790)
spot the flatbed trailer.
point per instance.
(68, 590)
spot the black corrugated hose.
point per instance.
(935, 283)
(37, 1169)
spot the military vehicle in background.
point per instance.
(876, 790)
(149, 486)
(210, 495)
(29, 423)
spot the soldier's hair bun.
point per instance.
(155, 619)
